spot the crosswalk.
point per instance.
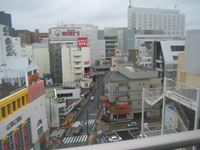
(90, 121)
(75, 139)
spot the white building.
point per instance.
(170, 21)
(82, 30)
(6, 45)
(38, 53)
(75, 63)
(65, 100)
(70, 54)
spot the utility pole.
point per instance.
(50, 113)
(87, 121)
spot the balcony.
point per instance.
(78, 71)
(77, 54)
(77, 66)
(159, 60)
(77, 60)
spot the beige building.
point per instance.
(188, 62)
(124, 91)
(186, 77)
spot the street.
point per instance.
(87, 117)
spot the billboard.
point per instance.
(83, 42)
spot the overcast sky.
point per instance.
(43, 14)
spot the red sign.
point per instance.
(70, 33)
(86, 62)
(82, 41)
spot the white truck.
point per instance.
(76, 128)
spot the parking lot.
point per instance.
(119, 135)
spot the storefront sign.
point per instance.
(82, 41)
(14, 122)
(69, 33)
(86, 62)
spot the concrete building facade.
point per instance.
(70, 54)
(124, 90)
(6, 44)
(170, 21)
(23, 119)
(188, 69)
(118, 38)
(97, 46)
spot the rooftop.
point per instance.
(8, 89)
(116, 76)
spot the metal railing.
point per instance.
(181, 89)
(182, 115)
(163, 142)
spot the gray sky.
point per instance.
(43, 14)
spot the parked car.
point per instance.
(132, 124)
(92, 98)
(114, 138)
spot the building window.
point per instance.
(9, 108)
(29, 73)
(14, 106)
(3, 111)
(175, 57)
(18, 103)
(35, 71)
(177, 48)
(23, 100)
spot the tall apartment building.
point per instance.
(69, 51)
(170, 21)
(5, 19)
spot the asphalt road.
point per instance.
(90, 112)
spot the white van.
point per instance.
(92, 98)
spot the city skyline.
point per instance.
(44, 15)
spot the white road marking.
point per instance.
(75, 139)
(64, 139)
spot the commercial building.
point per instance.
(170, 21)
(5, 19)
(97, 46)
(123, 90)
(65, 99)
(70, 54)
(23, 120)
(188, 70)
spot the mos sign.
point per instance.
(82, 41)
(68, 33)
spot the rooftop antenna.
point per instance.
(130, 4)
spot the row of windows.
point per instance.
(13, 106)
(65, 95)
(20, 139)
